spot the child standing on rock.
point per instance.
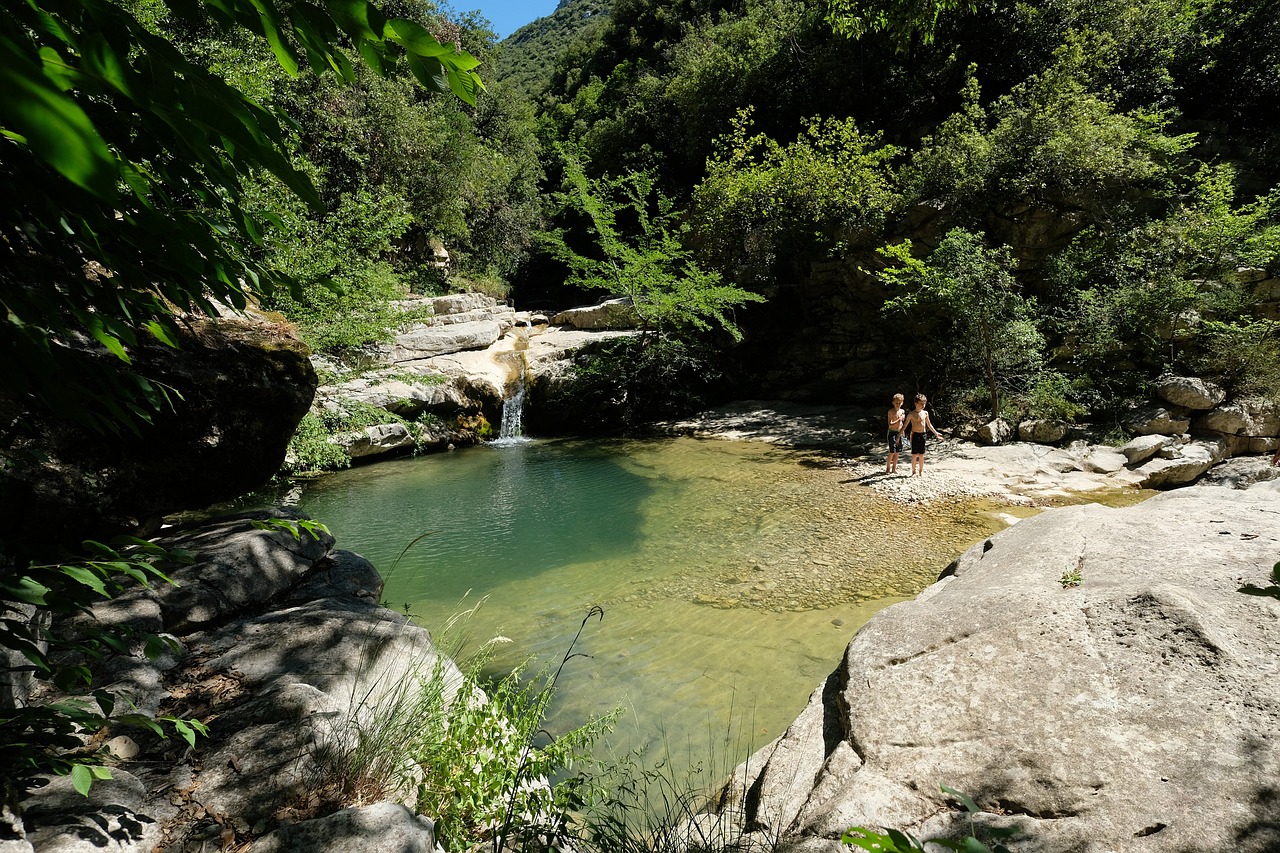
(918, 423)
(897, 419)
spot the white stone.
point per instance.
(609, 314)
(1190, 392)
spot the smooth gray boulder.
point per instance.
(1143, 447)
(1182, 465)
(1241, 472)
(609, 314)
(1102, 460)
(1157, 420)
(288, 657)
(379, 828)
(1136, 711)
(997, 431)
(1190, 392)
(428, 341)
(112, 817)
(1248, 426)
(458, 303)
(1042, 431)
(376, 440)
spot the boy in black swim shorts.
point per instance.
(918, 423)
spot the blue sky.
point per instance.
(507, 16)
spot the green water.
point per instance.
(731, 574)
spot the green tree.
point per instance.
(991, 321)
(124, 162)
(123, 165)
(644, 258)
(764, 209)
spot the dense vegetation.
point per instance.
(1103, 162)
(526, 57)
(1043, 204)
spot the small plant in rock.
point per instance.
(896, 841)
(55, 736)
(1073, 577)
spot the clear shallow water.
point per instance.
(732, 574)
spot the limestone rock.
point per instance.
(1144, 447)
(1156, 420)
(236, 566)
(1183, 465)
(241, 388)
(291, 655)
(1190, 392)
(403, 397)
(609, 314)
(371, 829)
(1249, 426)
(1103, 460)
(505, 316)
(458, 303)
(1042, 431)
(376, 440)
(428, 341)
(1090, 716)
(995, 432)
(1241, 473)
(112, 817)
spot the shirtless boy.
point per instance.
(897, 418)
(918, 423)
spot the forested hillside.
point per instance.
(527, 55)
(1031, 206)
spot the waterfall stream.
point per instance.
(511, 431)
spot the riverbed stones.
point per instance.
(1140, 704)
(1190, 392)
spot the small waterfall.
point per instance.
(511, 430)
(513, 415)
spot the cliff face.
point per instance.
(238, 389)
(1089, 676)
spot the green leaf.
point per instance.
(81, 779)
(964, 799)
(414, 38)
(359, 19)
(53, 125)
(272, 28)
(86, 577)
(162, 333)
(23, 589)
(429, 72)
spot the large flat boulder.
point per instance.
(1137, 710)
(238, 388)
(428, 341)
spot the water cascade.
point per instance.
(511, 430)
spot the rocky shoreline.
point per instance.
(1097, 679)
(1019, 472)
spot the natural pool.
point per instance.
(732, 574)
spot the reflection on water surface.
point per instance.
(732, 576)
